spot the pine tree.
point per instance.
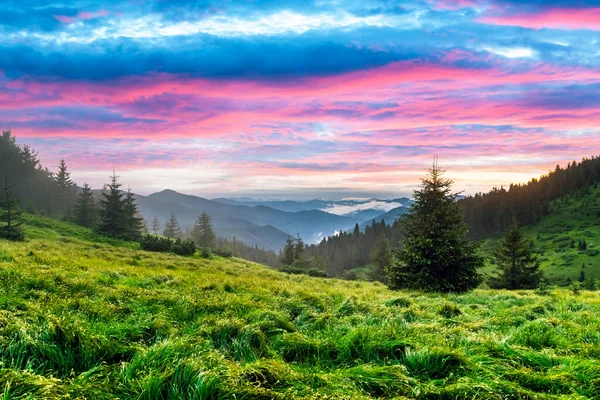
(172, 229)
(133, 224)
(112, 221)
(63, 177)
(85, 208)
(582, 276)
(299, 250)
(288, 254)
(519, 268)
(203, 233)
(11, 219)
(590, 283)
(381, 257)
(435, 255)
(155, 226)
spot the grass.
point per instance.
(84, 318)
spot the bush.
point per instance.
(156, 243)
(317, 273)
(292, 270)
(227, 253)
(184, 247)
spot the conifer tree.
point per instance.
(288, 254)
(381, 257)
(435, 255)
(63, 177)
(172, 229)
(112, 221)
(155, 227)
(11, 219)
(203, 233)
(133, 224)
(582, 276)
(299, 250)
(519, 268)
(85, 208)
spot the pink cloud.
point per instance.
(555, 18)
(82, 15)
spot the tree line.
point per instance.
(492, 213)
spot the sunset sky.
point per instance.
(298, 99)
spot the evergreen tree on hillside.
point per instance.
(299, 249)
(63, 177)
(133, 224)
(172, 229)
(11, 220)
(519, 268)
(85, 208)
(435, 255)
(288, 254)
(203, 233)
(112, 221)
(381, 257)
(155, 227)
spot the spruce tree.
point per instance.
(133, 224)
(85, 208)
(288, 254)
(155, 226)
(381, 257)
(299, 250)
(63, 177)
(203, 233)
(519, 268)
(66, 190)
(172, 229)
(11, 218)
(582, 276)
(435, 254)
(112, 221)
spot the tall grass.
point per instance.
(102, 320)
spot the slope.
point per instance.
(82, 318)
(571, 219)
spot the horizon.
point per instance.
(289, 101)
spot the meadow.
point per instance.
(82, 317)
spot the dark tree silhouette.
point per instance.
(435, 255)
(85, 208)
(11, 219)
(203, 233)
(172, 229)
(112, 221)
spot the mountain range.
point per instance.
(267, 224)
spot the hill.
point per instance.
(82, 317)
(570, 219)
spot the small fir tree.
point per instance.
(203, 233)
(288, 254)
(519, 267)
(381, 257)
(582, 276)
(155, 226)
(112, 221)
(172, 229)
(133, 224)
(435, 254)
(11, 217)
(85, 208)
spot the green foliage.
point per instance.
(381, 257)
(203, 233)
(11, 217)
(156, 243)
(184, 247)
(86, 316)
(518, 266)
(172, 229)
(288, 254)
(85, 208)
(435, 256)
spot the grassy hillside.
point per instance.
(84, 318)
(572, 218)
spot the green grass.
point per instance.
(84, 318)
(572, 218)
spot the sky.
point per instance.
(302, 99)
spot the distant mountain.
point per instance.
(255, 225)
(389, 217)
(282, 205)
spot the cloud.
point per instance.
(354, 208)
